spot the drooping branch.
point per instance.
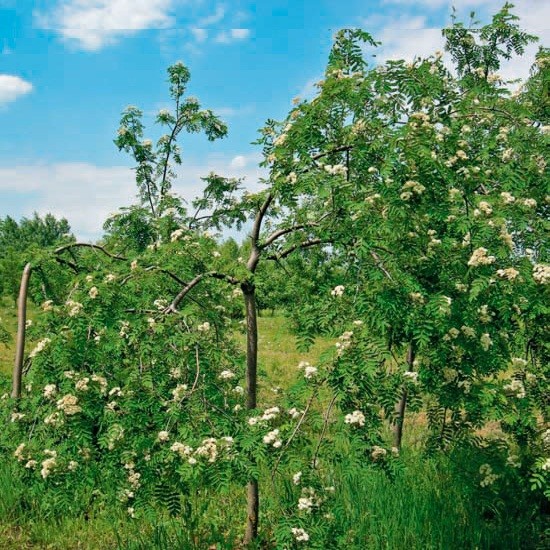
(172, 308)
(323, 431)
(89, 245)
(380, 265)
(21, 329)
(293, 434)
(285, 231)
(291, 249)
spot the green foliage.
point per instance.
(406, 217)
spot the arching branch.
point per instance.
(172, 308)
(89, 245)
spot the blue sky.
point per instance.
(69, 67)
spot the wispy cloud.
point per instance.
(406, 36)
(212, 19)
(12, 87)
(93, 24)
(232, 35)
(87, 194)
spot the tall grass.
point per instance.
(428, 504)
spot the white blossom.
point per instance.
(338, 291)
(541, 273)
(479, 257)
(356, 417)
(299, 534)
(49, 390)
(163, 436)
(39, 347)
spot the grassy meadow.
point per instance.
(426, 506)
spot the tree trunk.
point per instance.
(401, 405)
(21, 328)
(253, 501)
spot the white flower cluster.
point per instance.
(411, 375)
(93, 292)
(163, 436)
(39, 347)
(73, 307)
(509, 273)
(294, 413)
(518, 363)
(272, 438)
(356, 417)
(378, 452)
(308, 500)
(515, 388)
(483, 207)
(541, 274)
(48, 464)
(69, 405)
(292, 178)
(18, 453)
(299, 534)
(204, 327)
(47, 305)
(49, 390)
(176, 235)
(337, 291)
(309, 371)
(160, 303)
(54, 419)
(15, 416)
(183, 450)
(344, 342)
(297, 478)
(226, 375)
(488, 476)
(507, 198)
(411, 187)
(209, 449)
(479, 257)
(486, 341)
(125, 325)
(336, 169)
(179, 392)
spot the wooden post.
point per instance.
(21, 329)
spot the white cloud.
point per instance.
(86, 194)
(238, 162)
(200, 35)
(406, 36)
(93, 24)
(232, 35)
(240, 34)
(12, 87)
(216, 17)
(230, 112)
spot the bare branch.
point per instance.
(88, 245)
(291, 249)
(325, 425)
(380, 265)
(281, 232)
(172, 308)
(293, 434)
(259, 218)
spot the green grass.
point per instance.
(427, 506)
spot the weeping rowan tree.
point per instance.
(427, 189)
